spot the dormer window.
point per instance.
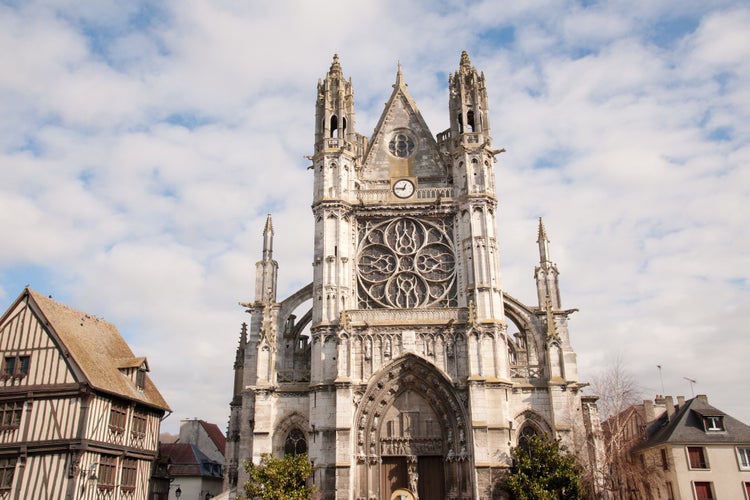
(140, 379)
(135, 370)
(713, 423)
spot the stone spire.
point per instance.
(548, 290)
(268, 239)
(543, 243)
(239, 366)
(266, 269)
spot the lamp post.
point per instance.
(87, 474)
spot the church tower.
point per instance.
(409, 368)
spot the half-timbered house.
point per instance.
(79, 416)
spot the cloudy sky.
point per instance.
(142, 145)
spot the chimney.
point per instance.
(703, 398)
(648, 411)
(669, 403)
(680, 401)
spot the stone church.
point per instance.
(404, 369)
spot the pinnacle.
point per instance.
(542, 232)
(465, 62)
(335, 66)
(399, 75)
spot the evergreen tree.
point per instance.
(543, 470)
(279, 478)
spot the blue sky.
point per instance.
(142, 145)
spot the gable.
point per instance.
(402, 144)
(30, 354)
(70, 346)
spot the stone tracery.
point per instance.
(406, 263)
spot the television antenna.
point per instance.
(692, 381)
(661, 378)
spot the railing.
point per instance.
(339, 143)
(406, 316)
(446, 140)
(432, 193)
(299, 375)
(374, 194)
(526, 371)
(425, 193)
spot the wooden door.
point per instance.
(431, 478)
(393, 475)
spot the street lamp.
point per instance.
(178, 492)
(91, 474)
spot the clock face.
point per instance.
(403, 188)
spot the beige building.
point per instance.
(683, 450)
(79, 416)
(404, 365)
(195, 460)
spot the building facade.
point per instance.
(80, 416)
(195, 460)
(680, 450)
(404, 365)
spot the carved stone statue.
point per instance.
(413, 479)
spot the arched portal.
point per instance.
(412, 432)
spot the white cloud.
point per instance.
(143, 147)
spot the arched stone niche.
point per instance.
(290, 423)
(411, 412)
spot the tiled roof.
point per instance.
(216, 435)
(186, 459)
(686, 427)
(98, 349)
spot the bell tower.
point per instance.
(469, 146)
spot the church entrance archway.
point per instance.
(412, 434)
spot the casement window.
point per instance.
(704, 490)
(138, 427)
(713, 423)
(10, 414)
(743, 457)
(7, 469)
(107, 472)
(118, 417)
(697, 457)
(664, 459)
(129, 474)
(140, 379)
(15, 367)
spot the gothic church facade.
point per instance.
(409, 368)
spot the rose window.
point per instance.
(401, 145)
(406, 263)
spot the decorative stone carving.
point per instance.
(406, 263)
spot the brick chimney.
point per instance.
(648, 411)
(669, 403)
(680, 401)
